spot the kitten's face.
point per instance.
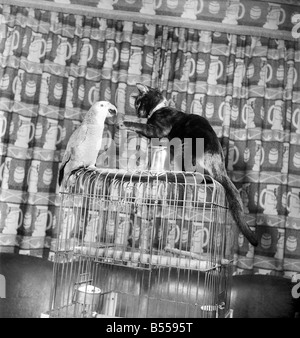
(147, 100)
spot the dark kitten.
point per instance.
(169, 122)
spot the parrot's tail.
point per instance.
(61, 174)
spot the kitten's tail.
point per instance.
(236, 208)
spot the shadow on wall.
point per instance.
(28, 283)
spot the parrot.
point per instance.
(85, 142)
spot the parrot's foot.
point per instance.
(92, 167)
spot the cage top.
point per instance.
(130, 183)
(136, 176)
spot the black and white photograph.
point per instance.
(150, 161)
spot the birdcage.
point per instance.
(142, 244)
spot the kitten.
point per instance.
(164, 121)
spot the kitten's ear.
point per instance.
(142, 88)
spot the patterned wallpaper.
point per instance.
(275, 15)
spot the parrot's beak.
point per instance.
(112, 114)
(112, 111)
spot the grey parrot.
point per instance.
(85, 142)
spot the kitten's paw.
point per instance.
(121, 125)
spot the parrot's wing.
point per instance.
(78, 136)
